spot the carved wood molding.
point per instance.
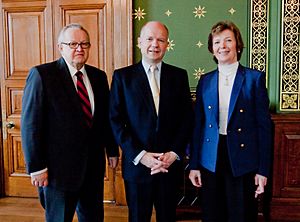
(285, 204)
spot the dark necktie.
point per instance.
(84, 99)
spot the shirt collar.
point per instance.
(228, 69)
(73, 71)
(147, 66)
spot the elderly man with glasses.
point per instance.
(66, 132)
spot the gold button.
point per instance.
(210, 126)
(242, 145)
(209, 107)
(239, 130)
(241, 110)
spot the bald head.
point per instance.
(153, 42)
(153, 25)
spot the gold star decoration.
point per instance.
(198, 72)
(168, 13)
(139, 13)
(199, 12)
(232, 11)
(170, 45)
(199, 44)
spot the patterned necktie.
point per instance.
(154, 87)
(84, 99)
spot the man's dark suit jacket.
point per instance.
(53, 128)
(135, 123)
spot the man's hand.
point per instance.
(195, 177)
(167, 159)
(40, 180)
(260, 182)
(151, 160)
(113, 162)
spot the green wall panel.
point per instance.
(274, 61)
(189, 23)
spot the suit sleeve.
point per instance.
(195, 144)
(118, 119)
(185, 127)
(264, 126)
(32, 122)
(112, 149)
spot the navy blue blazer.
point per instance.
(135, 123)
(54, 131)
(249, 129)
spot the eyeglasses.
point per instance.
(75, 45)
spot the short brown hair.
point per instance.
(220, 27)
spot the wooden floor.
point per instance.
(29, 210)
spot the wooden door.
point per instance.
(26, 36)
(29, 32)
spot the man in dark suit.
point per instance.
(64, 143)
(151, 121)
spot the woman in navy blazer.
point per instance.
(232, 136)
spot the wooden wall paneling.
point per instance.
(123, 56)
(26, 43)
(24, 33)
(285, 204)
(123, 41)
(1, 77)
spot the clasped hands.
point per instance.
(158, 162)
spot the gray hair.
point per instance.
(71, 26)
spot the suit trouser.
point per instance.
(160, 192)
(226, 198)
(60, 206)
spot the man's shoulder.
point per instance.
(51, 67)
(129, 68)
(129, 72)
(46, 66)
(93, 68)
(174, 72)
(173, 67)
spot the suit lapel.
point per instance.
(67, 83)
(165, 89)
(212, 93)
(239, 78)
(94, 84)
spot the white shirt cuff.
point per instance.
(139, 157)
(39, 172)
